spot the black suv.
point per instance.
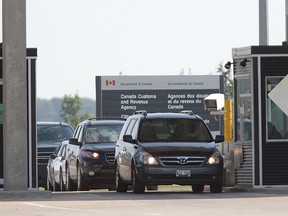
(49, 137)
(167, 148)
(90, 155)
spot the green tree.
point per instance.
(70, 107)
(228, 81)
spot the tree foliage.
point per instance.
(49, 110)
(228, 81)
(70, 107)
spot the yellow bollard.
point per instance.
(228, 120)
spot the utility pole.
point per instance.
(14, 95)
(16, 104)
(263, 22)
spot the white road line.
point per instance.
(56, 207)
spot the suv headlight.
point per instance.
(147, 158)
(90, 154)
(214, 159)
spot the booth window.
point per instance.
(1, 113)
(277, 121)
(1, 101)
(243, 128)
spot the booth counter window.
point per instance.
(1, 100)
(1, 113)
(243, 109)
(277, 120)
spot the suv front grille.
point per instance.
(43, 157)
(182, 160)
(110, 157)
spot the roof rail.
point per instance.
(125, 116)
(189, 112)
(143, 112)
(106, 118)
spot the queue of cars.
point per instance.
(142, 152)
(86, 160)
(49, 136)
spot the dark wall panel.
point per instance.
(275, 154)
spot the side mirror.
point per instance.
(74, 141)
(219, 138)
(129, 139)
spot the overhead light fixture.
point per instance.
(228, 65)
(243, 62)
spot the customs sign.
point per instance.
(123, 95)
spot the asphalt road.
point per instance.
(160, 203)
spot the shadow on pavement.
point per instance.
(101, 195)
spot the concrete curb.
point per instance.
(266, 190)
(24, 195)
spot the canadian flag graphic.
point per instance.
(110, 82)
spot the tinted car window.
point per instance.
(102, 133)
(174, 130)
(77, 131)
(135, 130)
(62, 151)
(130, 127)
(53, 133)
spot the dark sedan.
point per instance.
(91, 155)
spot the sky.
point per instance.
(78, 40)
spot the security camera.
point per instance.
(214, 102)
(228, 65)
(244, 62)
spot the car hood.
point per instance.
(105, 147)
(179, 148)
(48, 144)
(47, 147)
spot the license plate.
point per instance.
(183, 173)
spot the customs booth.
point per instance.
(31, 76)
(260, 126)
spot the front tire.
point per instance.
(138, 187)
(62, 188)
(55, 186)
(119, 184)
(216, 188)
(48, 185)
(81, 183)
(70, 185)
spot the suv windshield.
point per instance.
(173, 130)
(102, 133)
(53, 133)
